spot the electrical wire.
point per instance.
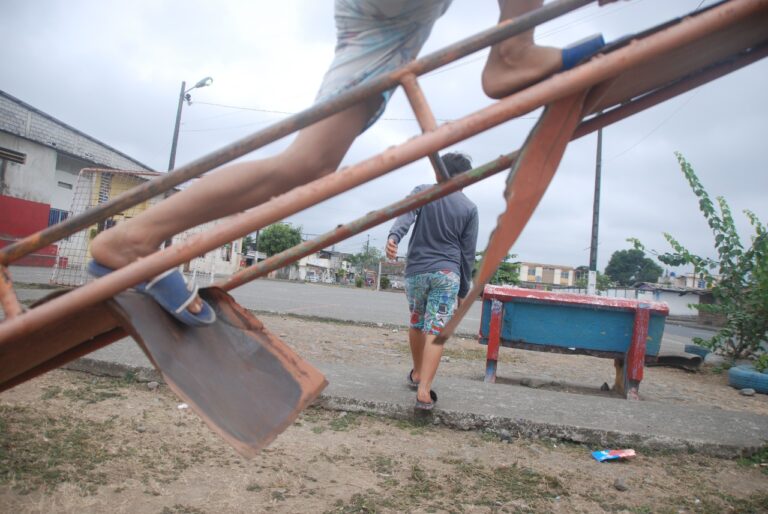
(657, 127)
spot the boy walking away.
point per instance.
(438, 273)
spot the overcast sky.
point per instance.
(113, 69)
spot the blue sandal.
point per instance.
(580, 51)
(170, 290)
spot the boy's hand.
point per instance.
(391, 249)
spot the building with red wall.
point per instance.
(40, 158)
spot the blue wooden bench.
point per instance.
(628, 331)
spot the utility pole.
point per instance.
(592, 280)
(367, 256)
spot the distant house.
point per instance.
(689, 280)
(50, 171)
(539, 275)
(325, 266)
(679, 299)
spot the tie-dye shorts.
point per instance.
(374, 37)
(431, 299)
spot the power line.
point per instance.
(657, 127)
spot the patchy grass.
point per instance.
(463, 485)
(758, 460)
(39, 451)
(345, 421)
(181, 509)
(95, 390)
(61, 435)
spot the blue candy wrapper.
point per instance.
(603, 455)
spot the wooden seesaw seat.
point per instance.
(241, 379)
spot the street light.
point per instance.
(184, 95)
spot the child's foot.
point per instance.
(118, 247)
(512, 66)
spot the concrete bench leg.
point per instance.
(494, 340)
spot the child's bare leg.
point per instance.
(429, 364)
(416, 339)
(517, 62)
(315, 152)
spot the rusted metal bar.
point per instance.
(73, 353)
(8, 300)
(289, 125)
(371, 219)
(547, 91)
(425, 118)
(672, 90)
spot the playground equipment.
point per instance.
(627, 77)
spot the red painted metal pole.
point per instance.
(636, 352)
(494, 340)
(554, 88)
(426, 120)
(663, 94)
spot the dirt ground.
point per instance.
(71, 442)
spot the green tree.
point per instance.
(508, 273)
(741, 287)
(368, 258)
(278, 237)
(627, 267)
(248, 243)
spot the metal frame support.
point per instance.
(425, 118)
(494, 340)
(635, 356)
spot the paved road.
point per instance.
(342, 303)
(349, 304)
(304, 299)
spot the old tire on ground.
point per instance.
(747, 377)
(696, 350)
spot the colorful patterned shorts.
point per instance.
(374, 37)
(431, 299)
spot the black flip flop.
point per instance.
(427, 405)
(410, 381)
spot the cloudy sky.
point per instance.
(113, 70)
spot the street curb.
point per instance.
(519, 428)
(505, 427)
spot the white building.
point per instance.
(41, 163)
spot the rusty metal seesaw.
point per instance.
(238, 365)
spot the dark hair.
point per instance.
(456, 163)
